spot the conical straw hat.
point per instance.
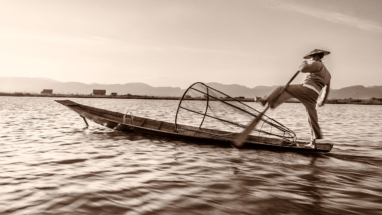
(316, 51)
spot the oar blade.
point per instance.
(239, 141)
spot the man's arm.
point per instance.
(325, 95)
(311, 67)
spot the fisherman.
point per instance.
(317, 79)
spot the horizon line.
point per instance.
(169, 86)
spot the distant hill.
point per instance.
(354, 92)
(239, 90)
(357, 92)
(36, 85)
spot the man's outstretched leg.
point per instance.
(271, 98)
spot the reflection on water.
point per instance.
(52, 164)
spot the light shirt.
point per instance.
(318, 76)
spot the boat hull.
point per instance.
(140, 125)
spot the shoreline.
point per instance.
(372, 101)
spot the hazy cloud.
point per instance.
(55, 38)
(330, 16)
(212, 51)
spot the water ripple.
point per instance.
(52, 164)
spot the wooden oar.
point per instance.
(240, 140)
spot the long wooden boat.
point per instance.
(141, 125)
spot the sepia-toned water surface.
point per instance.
(50, 163)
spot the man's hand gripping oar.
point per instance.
(240, 140)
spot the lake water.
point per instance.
(50, 163)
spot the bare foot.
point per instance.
(260, 100)
(312, 144)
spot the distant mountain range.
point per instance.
(36, 85)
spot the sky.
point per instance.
(178, 42)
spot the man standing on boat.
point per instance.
(317, 79)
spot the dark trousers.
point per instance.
(307, 97)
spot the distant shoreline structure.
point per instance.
(128, 96)
(371, 101)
